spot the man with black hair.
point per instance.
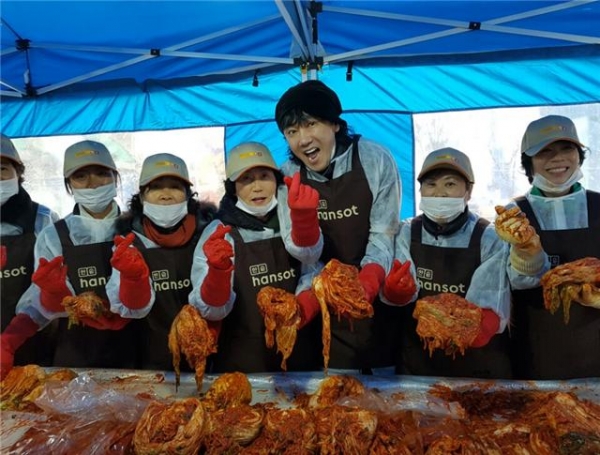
(359, 204)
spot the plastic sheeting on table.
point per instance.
(281, 388)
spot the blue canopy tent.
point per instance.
(109, 66)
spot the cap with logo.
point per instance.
(163, 165)
(448, 158)
(9, 151)
(543, 132)
(86, 153)
(246, 156)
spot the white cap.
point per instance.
(86, 153)
(543, 132)
(247, 155)
(9, 151)
(448, 158)
(163, 165)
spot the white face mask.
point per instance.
(8, 188)
(442, 209)
(95, 200)
(257, 210)
(165, 216)
(547, 186)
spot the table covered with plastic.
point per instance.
(98, 396)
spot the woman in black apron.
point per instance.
(247, 249)
(21, 221)
(74, 256)
(151, 264)
(567, 218)
(359, 203)
(453, 251)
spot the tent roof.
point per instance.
(84, 67)
(48, 45)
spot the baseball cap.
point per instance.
(163, 165)
(448, 158)
(245, 156)
(312, 97)
(9, 151)
(547, 130)
(86, 153)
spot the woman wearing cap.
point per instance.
(151, 264)
(567, 218)
(73, 257)
(454, 251)
(359, 191)
(265, 235)
(22, 220)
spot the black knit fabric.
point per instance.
(312, 97)
(231, 215)
(445, 229)
(18, 210)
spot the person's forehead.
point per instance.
(7, 161)
(257, 169)
(167, 180)
(560, 143)
(307, 117)
(92, 169)
(442, 174)
(303, 119)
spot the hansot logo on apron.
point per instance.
(261, 276)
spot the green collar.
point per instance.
(535, 191)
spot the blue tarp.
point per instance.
(107, 66)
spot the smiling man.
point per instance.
(359, 206)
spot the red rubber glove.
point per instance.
(371, 278)
(127, 259)
(51, 278)
(303, 201)
(18, 331)
(490, 323)
(134, 289)
(3, 256)
(218, 251)
(111, 322)
(216, 288)
(399, 286)
(308, 305)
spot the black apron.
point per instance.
(449, 270)
(16, 279)
(82, 346)
(344, 216)
(242, 345)
(170, 270)
(544, 346)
